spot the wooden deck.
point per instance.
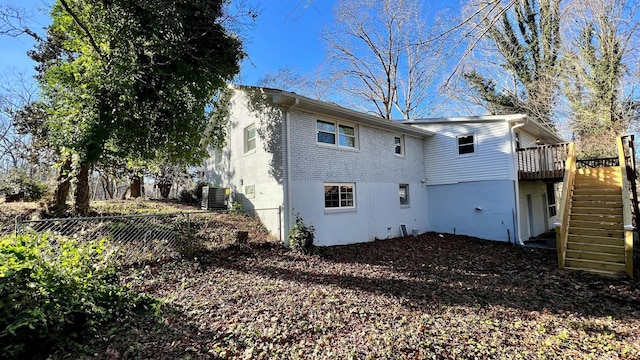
(544, 162)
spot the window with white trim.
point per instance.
(399, 145)
(250, 191)
(250, 138)
(339, 196)
(466, 144)
(217, 156)
(403, 191)
(335, 133)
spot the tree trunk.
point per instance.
(64, 184)
(82, 190)
(135, 187)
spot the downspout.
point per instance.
(516, 187)
(287, 206)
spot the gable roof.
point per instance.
(291, 100)
(530, 125)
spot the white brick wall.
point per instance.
(262, 167)
(374, 160)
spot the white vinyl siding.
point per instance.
(493, 159)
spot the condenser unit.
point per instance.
(215, 198)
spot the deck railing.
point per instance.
(542, 162)
(562, 226)
(626, 209)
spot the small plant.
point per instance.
(301, 236)
(236, 208)
(55, 292)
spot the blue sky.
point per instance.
(286, 34)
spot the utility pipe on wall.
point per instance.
(287, 207)
(516, 187)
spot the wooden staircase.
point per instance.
(596, 227)
(594, 231)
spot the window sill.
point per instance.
(400, 156)
(339, 210)
(405, 206)
(249, 152)
(337, 147)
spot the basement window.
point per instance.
(340, 195)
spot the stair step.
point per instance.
(598, 204)
(596, 248)
(597, 232)
(595, 218)
(601, 170)
(596, 240)
(596, 256)
(599, 272)
(592, 210)
(597, 191)
(598, 186)
(595, 265)
(598, 197)
(595, 225)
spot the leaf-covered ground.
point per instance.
(433, 296)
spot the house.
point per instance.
(358, 177)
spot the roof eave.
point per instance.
(322, 108)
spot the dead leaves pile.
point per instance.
(447, 297)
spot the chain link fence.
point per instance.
(143, 238)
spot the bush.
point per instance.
(193, 196)
(17, 181)
(54, 291)
(301, 236)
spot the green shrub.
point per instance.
(17, 181)
(54, 291)
(193, 196)
(301, 236)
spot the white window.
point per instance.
(217, 156)
(466, 144)
(334, 133)
(250, 138)
(399, 145)
(339, 196)
(250, 191)
(404, 194)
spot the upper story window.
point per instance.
(399, 145)
(466, 144)
(250, 138)
(334, 133)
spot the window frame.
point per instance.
(339, 185)
(407, 196)
(474, 143)
(252, 194)
(247, 139)
(400, 144)
(337, 133)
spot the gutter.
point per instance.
(287, 202)
(516, 187)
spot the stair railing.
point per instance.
(626, 211)
(562, 226)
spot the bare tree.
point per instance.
(517, 58)
(601, 80)
(379, 50)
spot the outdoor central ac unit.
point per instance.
(215, 198)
